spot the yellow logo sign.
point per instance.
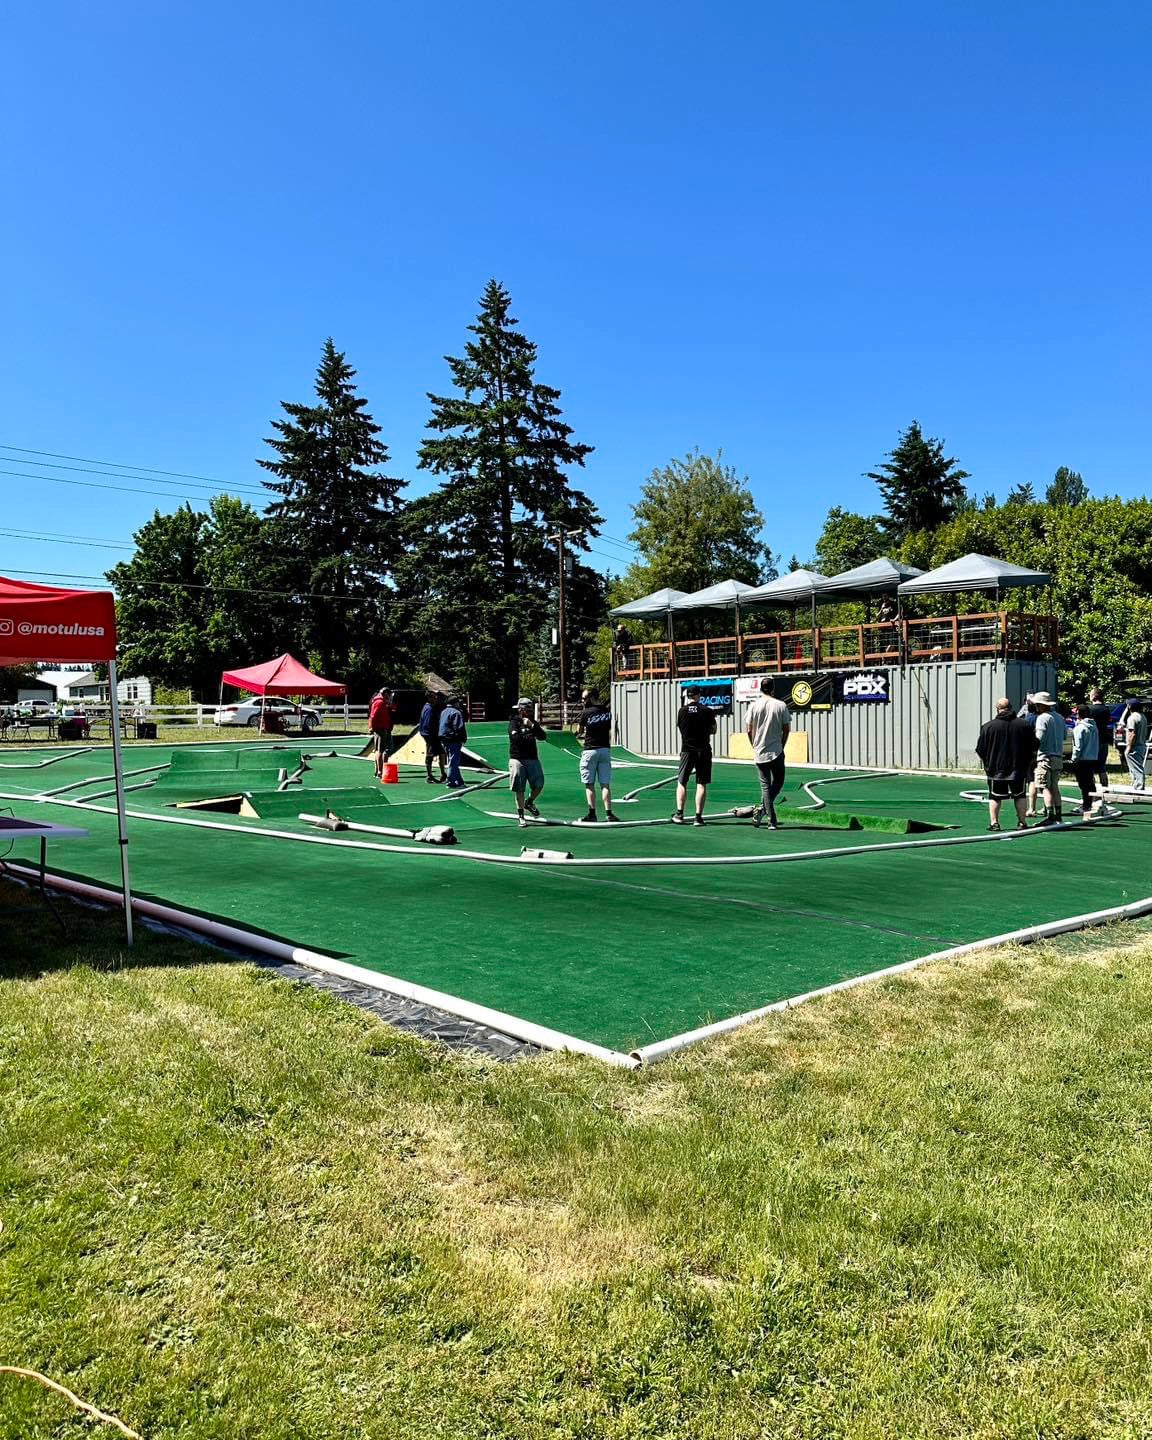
(802, 693)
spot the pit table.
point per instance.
(12, 828)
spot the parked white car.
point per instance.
(293, 717)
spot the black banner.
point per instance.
(805, 692)
(868, 687)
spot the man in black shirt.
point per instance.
(1007, 746)
(1101, 715)
(696, 724)
(524, 768)
(595, 731)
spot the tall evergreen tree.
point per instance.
(335, 524)
(1067, 488)
(480, 566)
(1022, 494)
(922, 488)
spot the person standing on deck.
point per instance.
(696, 724)
(1006, 746)
(595, 732)
(768, 726)
(1050, 733)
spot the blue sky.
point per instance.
(783, 231)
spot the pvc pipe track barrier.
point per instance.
(39, 764)
(237, 938)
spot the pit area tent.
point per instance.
(47, 624)
(878, 577)
(790, 589)
(974, 572)
(282, 676)
(724, 595)
(649, 607)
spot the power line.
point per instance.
(65, 540)
(92, 484)
(112, 475)
(116, 464)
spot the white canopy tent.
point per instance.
(791, 589)
(877, 577)
(724, 595)
(649, 607)
(974, 572)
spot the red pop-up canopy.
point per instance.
(44, 622)
(282, 676)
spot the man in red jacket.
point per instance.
(381, 722)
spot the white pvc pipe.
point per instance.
(52, 759)
(660, 1049)
(514, 1025)
(121, 812)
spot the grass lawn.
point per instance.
(235, 1207)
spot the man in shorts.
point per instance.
(1050, 735)
(1007, 747)
(595, 731)
(768, 726)
(382, 723)
(696, 724)
(1136, 731)
(524, 769)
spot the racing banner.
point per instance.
(714, 695)
(869, 687)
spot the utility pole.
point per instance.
(561, 636)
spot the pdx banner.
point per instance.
(867, 687)
(821, 692)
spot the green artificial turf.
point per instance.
(236, 1207)
(614, 954)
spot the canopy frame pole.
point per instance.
(121, 817)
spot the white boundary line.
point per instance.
(514, 1025)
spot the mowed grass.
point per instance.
(235, 1207)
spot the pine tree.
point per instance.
(1022, 494)
(922, 488)
(480, 565)
(1067, 488)
(335, 524)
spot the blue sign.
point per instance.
(714, 695)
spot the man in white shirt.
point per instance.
(1136, 725)
(1050, 735)
(767, 727)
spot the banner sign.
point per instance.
(805, 692)
(714, 695)
(867, 686)
(747, 689)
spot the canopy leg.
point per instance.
(121, 818)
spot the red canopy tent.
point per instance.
(46, 623)
(282, 676)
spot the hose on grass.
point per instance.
(72, 1398)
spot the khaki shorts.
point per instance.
(1049, 768)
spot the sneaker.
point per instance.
(1023, 825)
(677, 817)
(699, 820)
(431, 781)
(773, 823)
(995, 829)
(610, 816)
(590, 818)
(532, 810)
(758, 816)
(523, 824)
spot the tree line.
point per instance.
(363, 583)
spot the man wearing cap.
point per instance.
(524, 769)
(696, 724)
(595, 731)
(768, 725)
(1007, 747)
(382, 722)
(1050, 734)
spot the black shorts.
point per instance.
(433, 747)
(1010, 789)
(382, 742)
(699, 761)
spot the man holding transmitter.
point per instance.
(696, 724)
(768, 726)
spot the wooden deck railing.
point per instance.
(999, 634)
